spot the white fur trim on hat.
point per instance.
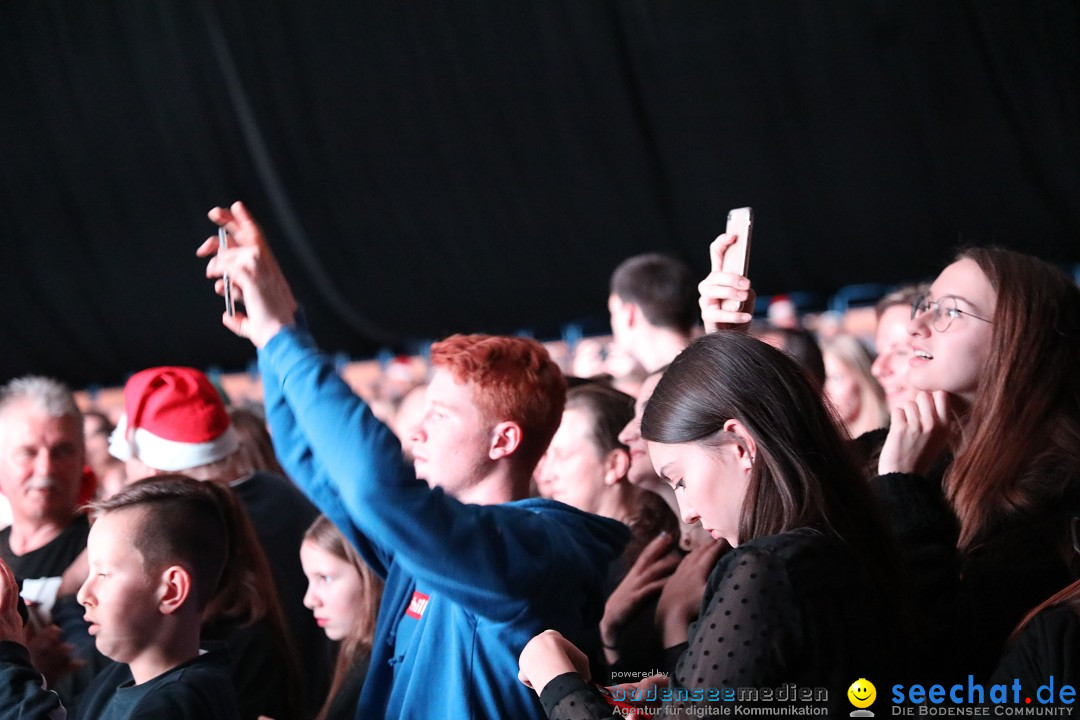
(170, 455)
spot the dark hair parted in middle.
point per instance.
(803, 475)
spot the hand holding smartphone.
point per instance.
(726, 299)
(737, 255)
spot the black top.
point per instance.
(972, 600)
(258, 668)
(343, 705)
(51, 559)
(1048, 647)
(790, 608)
(199, 689)
(866, 450)
(196, 690)
(281, 514)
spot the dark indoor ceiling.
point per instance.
(425, 168)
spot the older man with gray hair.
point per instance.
(41, 464)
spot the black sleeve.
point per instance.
(748, 634)
(971, 600)
(917, 510)
(927, 532)
(22, 689)
(671, 657)
(1048, 647)
(568, 697)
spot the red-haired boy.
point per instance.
(472, 568)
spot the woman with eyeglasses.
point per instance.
(995, 361)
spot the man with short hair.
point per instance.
(654, 308)
(473, 569)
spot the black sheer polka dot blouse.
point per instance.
(798, 607)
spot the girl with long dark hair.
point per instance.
(807, 596)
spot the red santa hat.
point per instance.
(173, 420)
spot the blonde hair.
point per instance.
(873, 411)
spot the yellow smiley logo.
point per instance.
(862, 693)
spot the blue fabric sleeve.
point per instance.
(495, 552)
(295, 455)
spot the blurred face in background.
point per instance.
(96, 433)
(574, 471)
(641, 468)
(893, 345)
(841, 388)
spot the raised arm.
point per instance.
(267, 308)
(482, 555)
(341, 449)
(294, 451)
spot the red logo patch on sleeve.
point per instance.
(417, 605)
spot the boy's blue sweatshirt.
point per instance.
(466, 585)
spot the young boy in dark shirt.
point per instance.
(156, 553)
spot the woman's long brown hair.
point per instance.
(1021, 440)
(803, 474)
(1067, 597)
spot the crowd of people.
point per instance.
(750, 510)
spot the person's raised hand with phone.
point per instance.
(257, 281)
(726, 299)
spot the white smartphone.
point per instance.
(223, 242)
(740, 222)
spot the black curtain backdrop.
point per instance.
(426, 168)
